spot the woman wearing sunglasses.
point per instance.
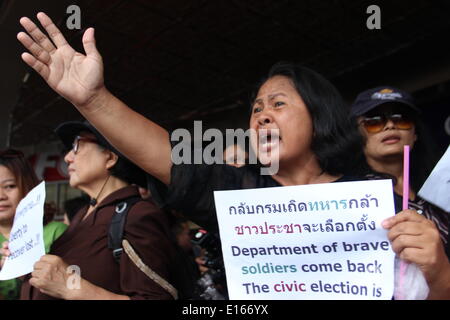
(389, 120)
(17, 178)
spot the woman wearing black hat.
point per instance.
(389, 120)
(94, 272)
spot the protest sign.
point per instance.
(26, 242)
(322, 241)
(436, 188)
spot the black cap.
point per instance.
(67, 131)
(372, 98)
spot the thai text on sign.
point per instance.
(322, 241)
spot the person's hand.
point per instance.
(4, 252)
(50, 276)
(415, 239)
(201, 264)
(75, 76)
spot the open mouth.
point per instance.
(268, 139)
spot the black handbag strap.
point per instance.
(117, 225)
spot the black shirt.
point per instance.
(192, 186)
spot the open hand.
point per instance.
(75, 76)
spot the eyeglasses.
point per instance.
(377, 123)
(76, 142)
(11, 153)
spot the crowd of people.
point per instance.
(142, 255)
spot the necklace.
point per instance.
(93, 201)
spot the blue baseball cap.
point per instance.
(372, 98)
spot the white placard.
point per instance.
(436, 188)
(322, 241)
(26, 242)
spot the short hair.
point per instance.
(336, 140)
(21, 169)
(50, 211)
(126, 171)
(72, 206)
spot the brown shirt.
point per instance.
(85, 244)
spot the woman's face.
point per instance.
(280, 109)
(396, 131)
(88, 166)
(10, 195)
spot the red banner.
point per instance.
(49, 166)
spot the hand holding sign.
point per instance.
(4, 252)
(26, 242)
(410, 283)
(415, 239)
(321, 241)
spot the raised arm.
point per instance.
(79, 79)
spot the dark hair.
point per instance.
(128, 172)
(336, 142)
(124, 169)
(50, 211)
(72, 206)
(21, 169)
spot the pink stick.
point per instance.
(403, 264)
(405, 177)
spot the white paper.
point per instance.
(436, 188)
(272, 255)
(26, 242)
